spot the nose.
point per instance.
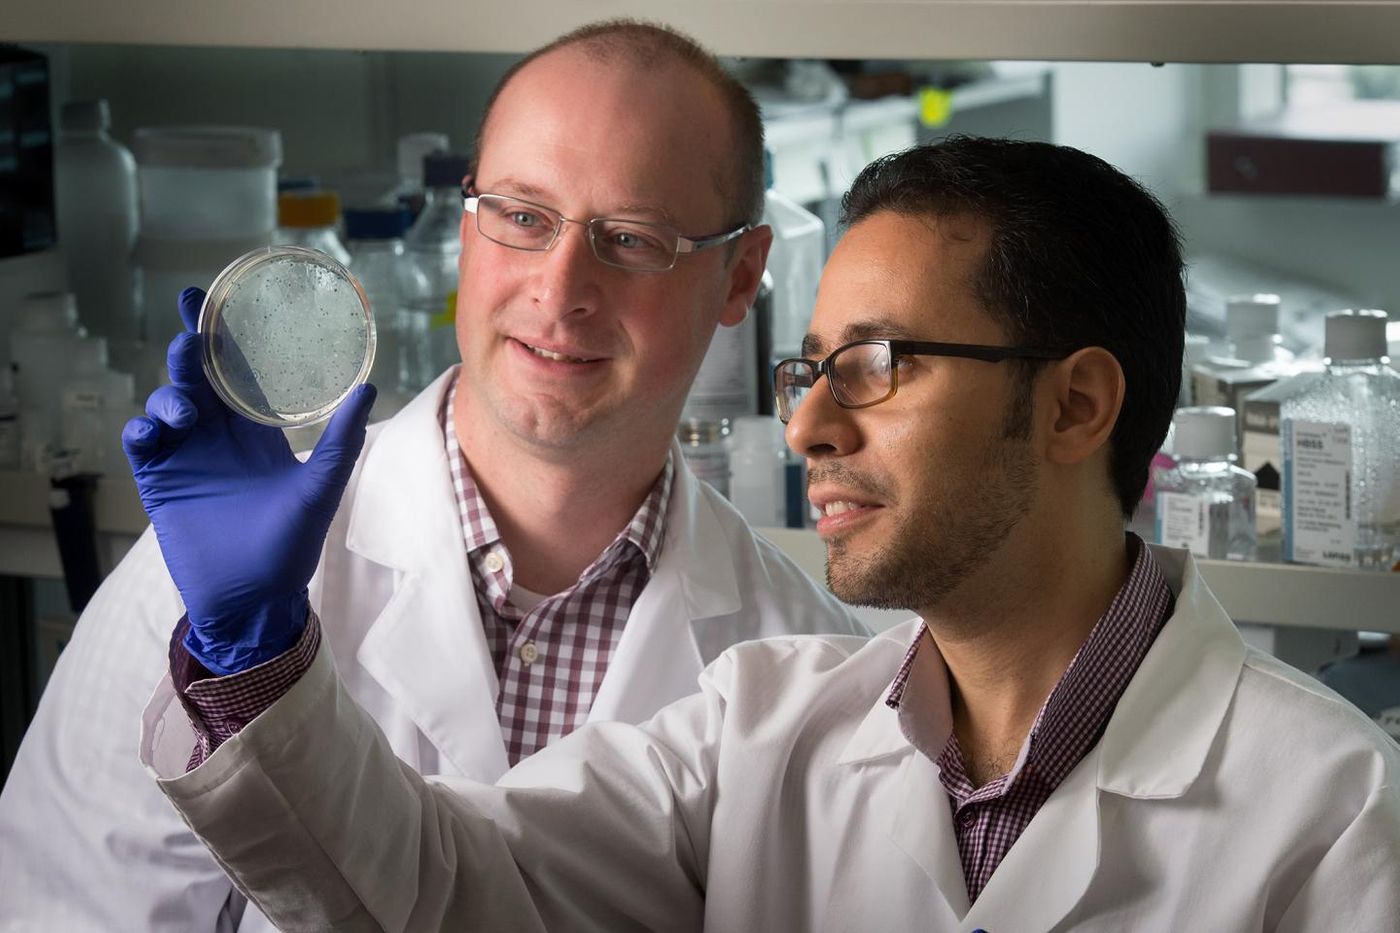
(820, 428)
(568, 280)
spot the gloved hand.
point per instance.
(240, 520)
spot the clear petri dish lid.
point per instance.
(287, 333)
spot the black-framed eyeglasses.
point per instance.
(863, 373)
(637, 245)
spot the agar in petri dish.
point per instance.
(287, 332)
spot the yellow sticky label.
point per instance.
(935, 106)
(447, 317)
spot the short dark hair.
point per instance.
(648, 46)
(1081, 255)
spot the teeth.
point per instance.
(836, 508)
(557, 357)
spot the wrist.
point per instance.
(232, 644)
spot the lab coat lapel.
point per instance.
(1167, 720)
(427, 647)
(913, 807)
(1049, 868)
(663, 647)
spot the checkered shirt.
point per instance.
(989, 819)
(551, 659)
(218, 707)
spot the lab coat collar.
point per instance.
(1167, 720)
(694, 581)
(1159, 735)
(1155, 745)
(427, 647)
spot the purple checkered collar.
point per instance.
(1079, 706)
(644, 533)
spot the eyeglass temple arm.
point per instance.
(975, 351)
(685, 244)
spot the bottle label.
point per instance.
(1263, 455)
(1183, 520)
(1319, 525)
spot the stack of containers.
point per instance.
(208, 195)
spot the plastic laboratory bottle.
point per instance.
(95, 190)
(757, 470)
(433, 246)
(95, 403)
(308, 218)
(375, 239)
(1341, 452)
(726, 385)
(43, 347)
(702, 445)
(1206, 503)
(410, 151)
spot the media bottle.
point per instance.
(1341, 447)
(1206, 503)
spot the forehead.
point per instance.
(600, 133)
(894, 275)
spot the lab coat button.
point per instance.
(529, 653)
(494, 562)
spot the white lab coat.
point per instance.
(88, 843)
(1229, 792)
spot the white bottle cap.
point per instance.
(413, 147)
(1354, 335)
(1249, 317)
(755, 432)
(1206, 433)
(89, 116)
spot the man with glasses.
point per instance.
(1071, 736)
(521, 550)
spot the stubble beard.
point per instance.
(942, 540)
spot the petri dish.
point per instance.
(287, 333)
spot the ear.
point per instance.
(1088, 387)
(745, 274)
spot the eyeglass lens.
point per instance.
(630, 244)
(859, 373)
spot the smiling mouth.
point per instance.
(840, 505)
(552, 355)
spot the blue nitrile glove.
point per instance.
(240, 520)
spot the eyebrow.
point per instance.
(529, 192)
(873, 328)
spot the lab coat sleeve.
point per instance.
(323, 828)
(86, 842)
(1356, 884)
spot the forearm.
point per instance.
(372, 848)
(317, 821)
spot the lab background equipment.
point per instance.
(324, 79)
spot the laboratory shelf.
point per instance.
(1338, 31)
(1269, 594)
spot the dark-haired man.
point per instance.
(521, 550)
(1071, 736)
